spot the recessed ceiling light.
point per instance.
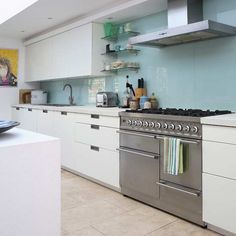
(10, 8)
(109, 18)
(22, 31)
(50, 18)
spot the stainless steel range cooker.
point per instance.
(142, 174)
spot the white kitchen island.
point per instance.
(30, 196)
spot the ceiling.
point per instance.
(45, 15)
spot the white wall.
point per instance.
(10, 95)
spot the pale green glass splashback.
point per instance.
(197, 75)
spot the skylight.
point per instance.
(11, 8)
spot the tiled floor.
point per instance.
(89, 209)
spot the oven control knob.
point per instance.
(158, 125)
(179, 127)
(172, 126)
(186, 128)
(129, 122)
(134, 123)
(139, 123)
(165, 126)
(145, 124)
(151, 124)
(194, 129)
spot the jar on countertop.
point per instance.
(153, 101)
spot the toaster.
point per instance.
(106, 99)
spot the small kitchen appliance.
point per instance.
(38, 97)
(106, 99)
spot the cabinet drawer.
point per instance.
(108, 121)
(219, 134)
(219, 205)
(98, 163)
(97, 135)
(219, 159)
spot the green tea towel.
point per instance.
(175, 157)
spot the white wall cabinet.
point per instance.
(219, 177)
(74, 53)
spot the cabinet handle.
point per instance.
(29, 109)
(17, 108)
(95, 127)
(94, 148)
(45, 111)
(94, 116)
(64, 113)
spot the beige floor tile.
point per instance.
(135, 223)
(77, 218)
(123, 202)
(88, 231)
(182, 228)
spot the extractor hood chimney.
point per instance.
(185, 24)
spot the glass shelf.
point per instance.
(122, 68)
(125, 51)
(120, 36)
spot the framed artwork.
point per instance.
(8, 67)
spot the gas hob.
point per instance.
(169, 121)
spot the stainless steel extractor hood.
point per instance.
(185, 25)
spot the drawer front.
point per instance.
(97, 135)
(219, 134)
(98, 163)
(219, 159)
(219, 205)
(107, 121)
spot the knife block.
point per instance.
(139, 92)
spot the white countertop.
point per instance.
(106, 111)
(17, 136)
(221, 120)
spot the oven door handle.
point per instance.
(181, 140)
(136, 134)
(138, 153)
(163, 184)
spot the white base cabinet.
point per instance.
(64, 129)
(219, 204)
(219, 178)
(87, 148)
(26, 117)
(97, 163)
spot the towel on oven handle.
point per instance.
(173, 156)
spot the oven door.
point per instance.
(192, 176)
(139, 166)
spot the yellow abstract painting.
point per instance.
(8, 67)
